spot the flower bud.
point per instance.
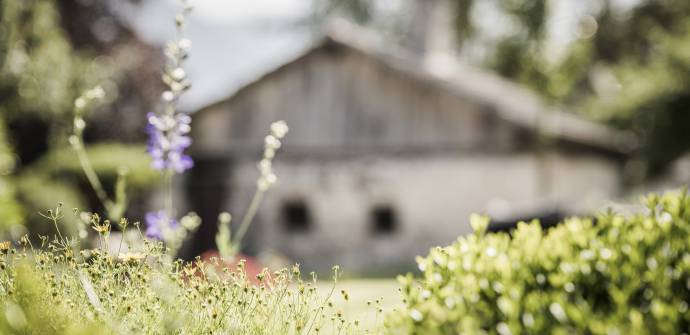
(224, 217)
(269, 153)
(95, 93)
(73, 140)
(265, 166)
(167, 96)
(185, 44)
(179, 20)
(79, 123)
(271, 178)
(271, 142)
(279, 129)
(178, 74)
(80, 103)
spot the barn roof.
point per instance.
(511, 101)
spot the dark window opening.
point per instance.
(296, 217)
(383, 220)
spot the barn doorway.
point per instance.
(207, 195)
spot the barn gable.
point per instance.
(347, 95)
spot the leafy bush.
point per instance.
(137, 288)
(11, 213)
(609, 275)
(41, 73)
(107, 159)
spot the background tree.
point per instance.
(628, 65)
(41, 73)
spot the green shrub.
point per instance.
(106, 159)
(59, 172)
(613, 274)
(11, 212)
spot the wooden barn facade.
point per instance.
(388, 154)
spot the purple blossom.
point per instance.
(168, 138)
(157, 223)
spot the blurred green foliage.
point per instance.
(611, 275)
(627, 64)
(40, 73)
(106, 158)
(59, 172)
(40, 76)
(628, 67)
(30, 313)
(10, 210)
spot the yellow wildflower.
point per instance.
(131, 256)
(102, 228)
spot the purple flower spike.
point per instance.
(157, 223)
(168, 138)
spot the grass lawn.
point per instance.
(360, 292)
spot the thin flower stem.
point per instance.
(91, 176)
(122, 237)
(247, 219)
(325, 301)
(55, 223)
(169, 194)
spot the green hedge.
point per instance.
(613, 274)
(106, 159)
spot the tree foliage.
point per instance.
(41, 74)
(627, 65)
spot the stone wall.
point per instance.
(429, 198)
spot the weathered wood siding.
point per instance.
(338, 100)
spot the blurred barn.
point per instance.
(389, 153)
